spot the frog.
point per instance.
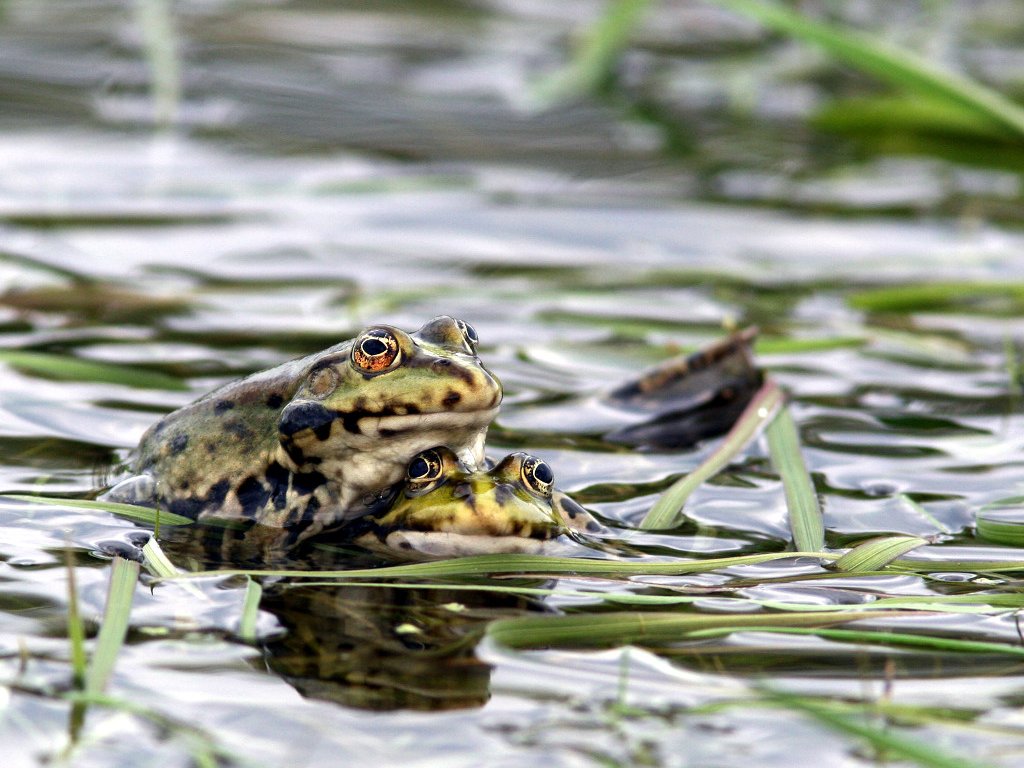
(303, 446)
(445, 508)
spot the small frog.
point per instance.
(445, 509)
(300, 446)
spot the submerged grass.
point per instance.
(868, 637)
(889, 744)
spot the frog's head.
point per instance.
(365, 408)
(445, 509)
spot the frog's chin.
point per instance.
(421, 545)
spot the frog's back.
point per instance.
(201, 451)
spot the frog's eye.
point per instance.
(425, 467)
(537, 475)
(375, 351)
(468, 333)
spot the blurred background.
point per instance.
(194, 190)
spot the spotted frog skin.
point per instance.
(446, 509)
(300, 446)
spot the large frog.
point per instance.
(303, 445)
(445, 508)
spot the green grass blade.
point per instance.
(892, 744)
(939, 296)
(870, 637)
(666, 510)
(123, 576)
(493, 565)
(924, 513)
(132, 511)
(1001, 526)
(593, 59)
(160, 565)
(76, 630)
(924, 115)
(875, 554)
(804, 513)
(648, 627)
(250, 611)
(76, 369)
(902, 69)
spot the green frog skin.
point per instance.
(446, 509)
(304, 445)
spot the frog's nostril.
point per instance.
(303, 416)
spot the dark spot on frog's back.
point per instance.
(177, 444)
(223, 406)
(274, 400)
(239, 429)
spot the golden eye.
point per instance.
(468, 333)
(375, 351)
(425, 467)
(537, 475)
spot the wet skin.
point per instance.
(445, 509)
(303, 445)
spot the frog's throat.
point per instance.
(426, 545)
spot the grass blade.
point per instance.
(123, 576)
(250, 611)
(951, 645)
(940, 296)
(875, 554)
(1001, 526)
(492, 565)
(665, 512)
(649, 627)
(892, 744)
(76, 630)
(132, 511)
(593, 59)
(902, 69)
(161, 566)
(804, 513)
(160, 37)
(76, 369)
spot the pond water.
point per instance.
(334, 166)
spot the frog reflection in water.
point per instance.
(298, 447)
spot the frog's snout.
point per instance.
(304, 416)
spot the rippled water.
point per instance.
(333, 167)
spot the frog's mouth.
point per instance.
(322, 421)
